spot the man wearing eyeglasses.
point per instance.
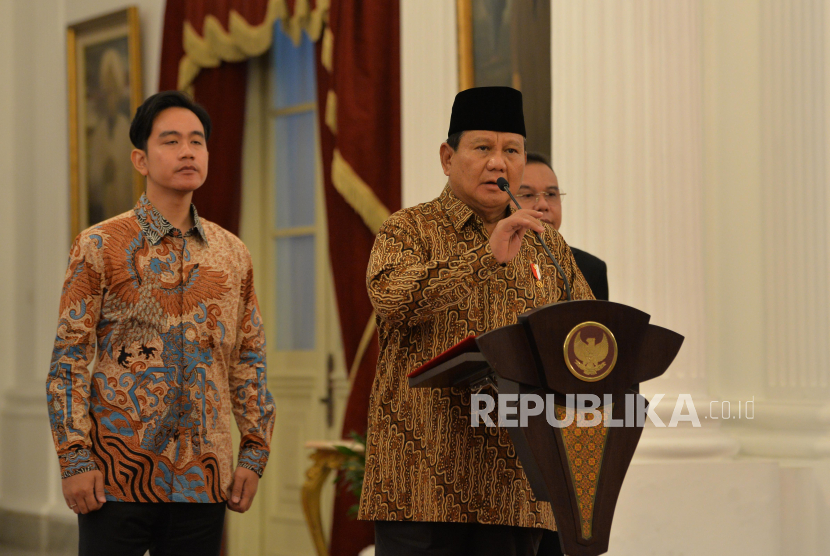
(540, 191)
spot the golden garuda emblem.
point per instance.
(590, 351)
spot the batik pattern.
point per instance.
(433, 281)
(180, 346)
(584, 448)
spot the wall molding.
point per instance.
(35, 532)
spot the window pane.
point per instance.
(295, 293)
(293, 70)
(295, 169)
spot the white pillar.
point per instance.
(793, 421)
(767, 145)
(792, 424)
(628, 150)
(795, 198)
(29, 482)
(37, 248)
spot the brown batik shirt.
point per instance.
(433, 281)
(180, 346)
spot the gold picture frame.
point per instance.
(466, 62)
(508, 43)
(104, 90)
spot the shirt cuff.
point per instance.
(75, 462)
(253, 459)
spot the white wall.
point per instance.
(38, 161)
(34, 222)
(429, 82)
(7, 191)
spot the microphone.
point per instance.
(504, 186)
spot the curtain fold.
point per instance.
(222, 91)
(204, 48)
(362, 167)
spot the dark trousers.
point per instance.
(165, 529)
(550, 544)
(417, 538)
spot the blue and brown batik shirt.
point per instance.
(180, 346)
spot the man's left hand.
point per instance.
(243, 489)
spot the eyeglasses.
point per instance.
(549, 196)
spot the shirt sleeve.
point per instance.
(409, 283)
(253, 405)
(68, 381)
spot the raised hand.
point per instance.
(506, 237)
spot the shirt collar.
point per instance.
(458, 211)
(155, 226)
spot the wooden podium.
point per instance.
(570, 348)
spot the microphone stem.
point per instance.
(552, 258)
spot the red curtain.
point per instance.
(222, 92)
(366, 80)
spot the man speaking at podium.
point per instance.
(460, 265)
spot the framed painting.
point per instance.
(507, 43)
(104, 70)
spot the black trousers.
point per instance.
(550, 544)
(417, 538)
(165, 529)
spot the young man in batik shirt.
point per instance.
(164, 302)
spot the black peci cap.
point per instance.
(489, 109)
